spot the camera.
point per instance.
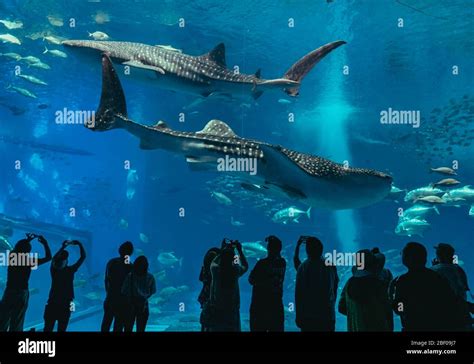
(31, 236)
(228, 243)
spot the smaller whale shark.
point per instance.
(205, 75)
(309, 179)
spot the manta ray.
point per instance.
(310, 179)
(205, 75)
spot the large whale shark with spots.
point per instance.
(312, 180)
(205, 75)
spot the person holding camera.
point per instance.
(316, 288)
(61, 295)
(226, 269)
(16, 295)
(266, 309)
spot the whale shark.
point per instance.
(306, 178)
(205, 75)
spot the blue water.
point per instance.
(336, 116)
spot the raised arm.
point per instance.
(82, 257)
(47, 251)
(63, 247)
(296, 257)
(244, 265)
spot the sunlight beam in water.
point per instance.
(332, 113)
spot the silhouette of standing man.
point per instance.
(316, 288)
(16, 296)
(115, 302)
(61, 294)
(266, 309)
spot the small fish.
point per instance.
(33, 79)
(430, 199)
(290, 214)
(41, 65)
(55, 21)
(284, 101)
(418, 211)
(446, 182)
(31, 59)
(144, 238)
(11, 55)
(22, 91)
(236, 222)
(8, 38)
(123, 224)
(99, 36)
(422, 191)
(55, 52)
(444, 170)
(17, 24)
(221, 198)
(52, 39)
(169, 259)
(254, 249)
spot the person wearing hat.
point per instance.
(444, 265)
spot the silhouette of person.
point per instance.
(386, 276)
(226, 269)
(316, 288)
(138, 287)
(16, 295)
(204, 296)
(114, 304)
(422, 297)
(455, 275)
(266, 308)
(364, 298)
(61, 294)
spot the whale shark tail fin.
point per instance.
(112, 108)
(305, 64)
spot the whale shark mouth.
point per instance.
(309, 179)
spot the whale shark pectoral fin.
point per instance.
(144, 66)
(218, 128)
(217, 55)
